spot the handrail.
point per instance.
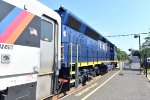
(62, 52)
(71, 58)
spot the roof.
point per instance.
(81, 26)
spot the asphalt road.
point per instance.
(123, 85)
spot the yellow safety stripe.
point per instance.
(45, 73)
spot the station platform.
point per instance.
(115, 85)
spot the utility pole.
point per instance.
(138, 36)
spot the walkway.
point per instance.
(124, 85)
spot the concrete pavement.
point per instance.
(129, 85)
(124, 85)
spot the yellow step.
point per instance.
(73, 72)
(72, 81)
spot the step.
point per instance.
(72, 81)
(72, 72)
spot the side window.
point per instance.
(46, 31)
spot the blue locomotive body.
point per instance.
(83, 50)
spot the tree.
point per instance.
(146, 47)
(136, 53)
(147, 38)
(122, 55)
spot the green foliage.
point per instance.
(147, 52)
(146, 48)
(136, 53)
(122, 55)
(147, 38)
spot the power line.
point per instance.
(126, 35)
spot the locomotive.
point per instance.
(85, 53)
(46, 52)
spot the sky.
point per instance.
(111, 17)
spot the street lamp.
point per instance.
(138, 36)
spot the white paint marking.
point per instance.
(86, 89)
(99, 77)
(148, 77)
(99, 87)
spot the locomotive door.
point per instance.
(45, 81)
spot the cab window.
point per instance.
(46, 31)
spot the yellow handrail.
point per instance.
(71, 58)
(62, 52)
